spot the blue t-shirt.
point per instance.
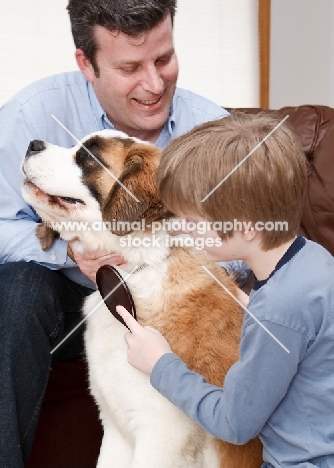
(28, 116)
(282, 387)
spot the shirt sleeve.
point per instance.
(253, 387)
(18, 221)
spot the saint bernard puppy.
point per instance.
(110, 178)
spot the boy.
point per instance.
(282, 387)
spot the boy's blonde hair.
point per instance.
(268, 186)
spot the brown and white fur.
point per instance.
(173, 293)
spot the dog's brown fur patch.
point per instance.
(202, 324)
(46, 235)
(139, 167)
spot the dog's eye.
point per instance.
(81, 154)
(82, 157)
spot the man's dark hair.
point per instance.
(131, 17)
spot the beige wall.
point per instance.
(35, 41)
(302, 52)
(217, 45)
(216, 41)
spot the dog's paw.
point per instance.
(46, 235)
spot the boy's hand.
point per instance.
(146, 345)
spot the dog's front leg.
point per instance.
(115, 451)
(168, 452)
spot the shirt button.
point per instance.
(53, 256)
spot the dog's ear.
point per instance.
(136, 183)
(46, 235)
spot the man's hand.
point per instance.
(90, 262)
(146, 345)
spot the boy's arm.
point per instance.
(253, 387)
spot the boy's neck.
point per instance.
(262, 262)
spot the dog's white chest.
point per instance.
(141, 427)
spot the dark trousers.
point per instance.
(38, 307)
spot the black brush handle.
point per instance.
(109, 279)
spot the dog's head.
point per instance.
(109, 177)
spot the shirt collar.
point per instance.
(171, 118)
(99, 113)
(167, 131)
(294, 248)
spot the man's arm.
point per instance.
(18, 221)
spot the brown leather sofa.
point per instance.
(69, 433)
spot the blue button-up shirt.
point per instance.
(28, 116)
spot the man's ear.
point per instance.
(85, 65)
(137, 197)
(46, 235)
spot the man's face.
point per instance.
(137, 78)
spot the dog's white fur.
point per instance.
(142, 429)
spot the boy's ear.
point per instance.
(249, 234)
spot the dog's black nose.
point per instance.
(35, 146)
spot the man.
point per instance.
(127, 80)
